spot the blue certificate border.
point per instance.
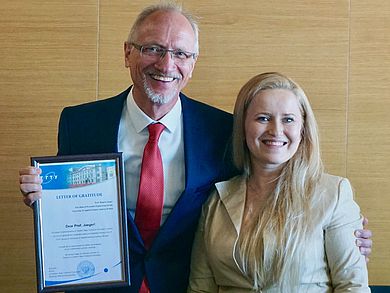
(79, 161)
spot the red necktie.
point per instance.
(151, 191)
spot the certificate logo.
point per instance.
(49, 177)
(85, 269)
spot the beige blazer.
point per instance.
(333, 263)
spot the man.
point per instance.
(161, 53)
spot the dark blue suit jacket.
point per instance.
(93, 128)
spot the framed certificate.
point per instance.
(80, 223)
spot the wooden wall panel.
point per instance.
(369, 124)
(303, 39)
(48, 60)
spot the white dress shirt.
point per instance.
(132, 137)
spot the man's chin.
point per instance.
(160, 99)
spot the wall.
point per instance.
(58, 53)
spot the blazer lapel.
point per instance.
(111, 122)
(233, 193)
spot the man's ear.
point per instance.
(193, 66)
(126, 51)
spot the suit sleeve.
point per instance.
(347, 266)
(63, 134)
(201, 275)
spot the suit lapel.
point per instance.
(193, 152)
(115, 109)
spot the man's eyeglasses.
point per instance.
(155, 51)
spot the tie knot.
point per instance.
(155, 131)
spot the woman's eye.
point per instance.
(288, 119)
(263, 118)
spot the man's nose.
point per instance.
(166, 61)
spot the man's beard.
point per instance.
(156, 98)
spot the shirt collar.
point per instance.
(140, 120)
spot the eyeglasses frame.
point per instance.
(164, 51)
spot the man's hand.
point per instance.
(30, 184)
(363, 240)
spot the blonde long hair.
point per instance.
(271, 247)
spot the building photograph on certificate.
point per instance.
(80, 223)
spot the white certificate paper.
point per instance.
(81, 227)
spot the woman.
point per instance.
(283, 225)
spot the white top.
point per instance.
(132, 137)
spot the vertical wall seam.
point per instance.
(348, 89)
(97, 49)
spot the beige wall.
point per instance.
(57, 53)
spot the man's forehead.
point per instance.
(161, 24)
(161, 20)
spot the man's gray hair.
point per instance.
(169, 6)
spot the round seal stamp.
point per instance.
(85, 269)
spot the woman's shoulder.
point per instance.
(333, 184)
(336, 195)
